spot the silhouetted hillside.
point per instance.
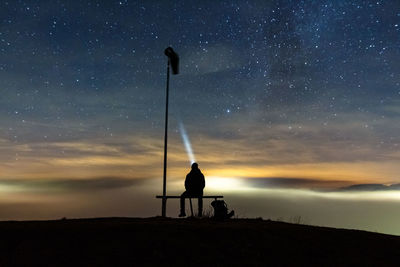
(185, 242)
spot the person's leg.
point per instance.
(200, 204)
(183, 196)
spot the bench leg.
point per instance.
(191, 207)
(200, 205)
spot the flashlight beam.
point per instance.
(186, 142)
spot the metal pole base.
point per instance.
(164, 207)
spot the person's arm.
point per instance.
(187, 182)
(203, 182)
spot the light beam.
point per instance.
(186, 142)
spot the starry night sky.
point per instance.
(289, 94)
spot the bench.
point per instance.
(190, 198)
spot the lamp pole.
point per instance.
(173, 61)
(164, 200)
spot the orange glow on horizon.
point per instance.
(99, 158)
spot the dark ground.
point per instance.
(188, 242)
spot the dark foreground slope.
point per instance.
(171, 242)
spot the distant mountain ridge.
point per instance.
(370, 187)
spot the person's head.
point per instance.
(195, 166)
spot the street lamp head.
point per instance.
(173, 59)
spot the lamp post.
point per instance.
(173, 62)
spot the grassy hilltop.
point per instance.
(184, 242)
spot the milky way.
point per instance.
(267, 89)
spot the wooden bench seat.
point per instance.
(215, 197)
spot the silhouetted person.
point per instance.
(194, 185)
